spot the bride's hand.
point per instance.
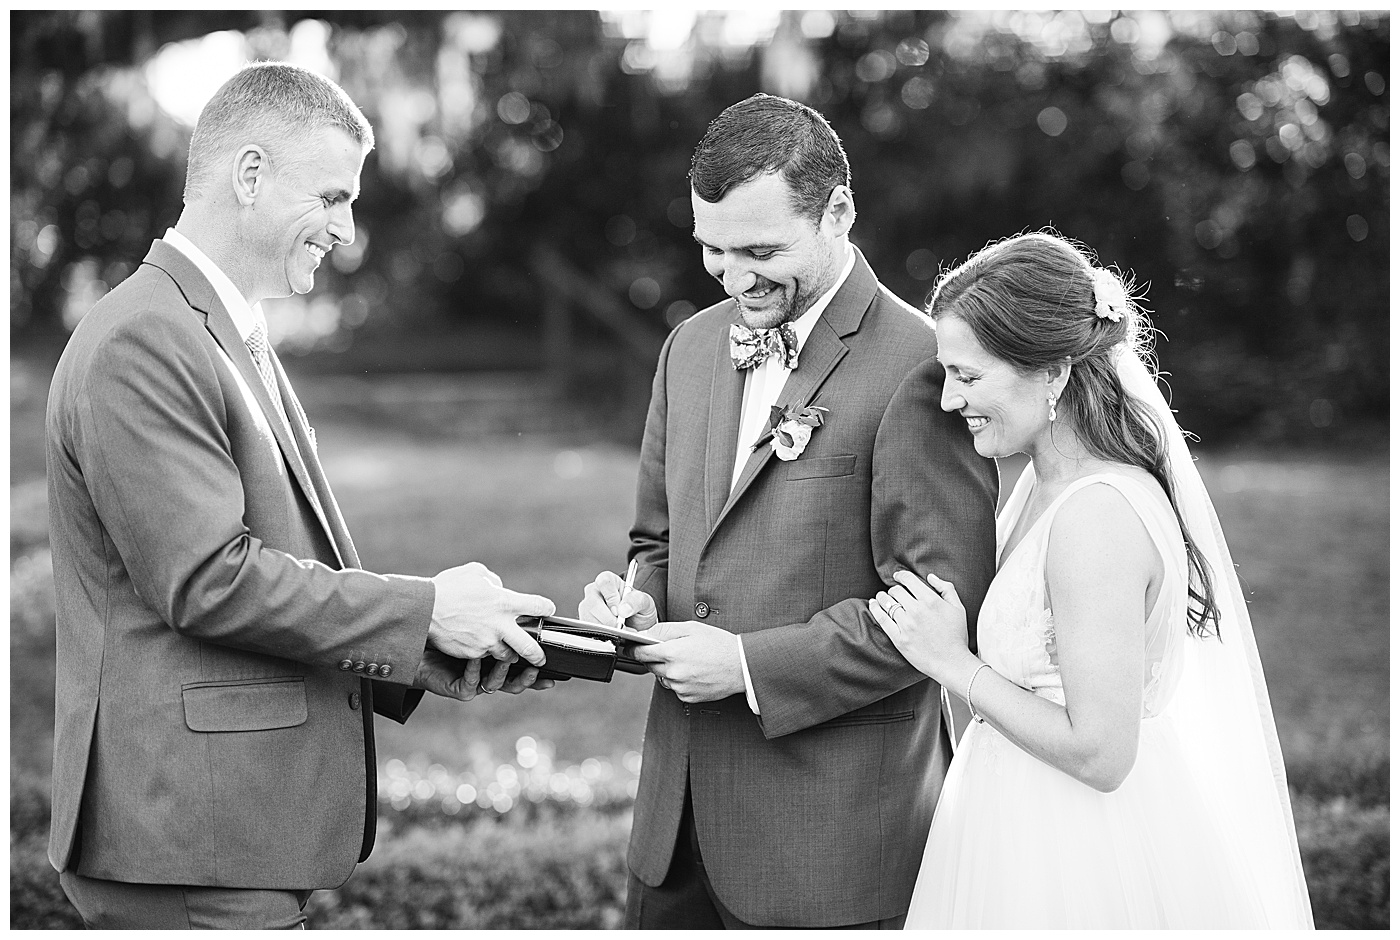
(926, 621)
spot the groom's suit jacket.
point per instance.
(215, 636)
(815, 812)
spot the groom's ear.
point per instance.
(840, 212)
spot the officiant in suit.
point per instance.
(792, 758)
(220, 652)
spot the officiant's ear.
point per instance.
(249, 168)
(840, 212)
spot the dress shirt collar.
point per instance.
(244, 317)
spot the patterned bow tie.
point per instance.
(748, 348)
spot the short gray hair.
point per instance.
(272, 104)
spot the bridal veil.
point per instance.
(1222, 704)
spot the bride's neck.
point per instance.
(1059, 456)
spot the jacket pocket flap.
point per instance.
(860, 717)
(245, 704)
(840, 466)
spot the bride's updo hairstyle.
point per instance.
(1035, 300)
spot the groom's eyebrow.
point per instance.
(755, 246)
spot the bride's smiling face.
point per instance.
(1005, 410)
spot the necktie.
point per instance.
(749, 348)
(262, 358)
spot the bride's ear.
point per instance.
(1057, 376)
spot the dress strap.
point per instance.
(1013, 507)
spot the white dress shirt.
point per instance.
(762, 386)
(244, 317)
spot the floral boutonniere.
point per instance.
(790, 429)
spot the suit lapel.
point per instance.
(203, 298)
(821, 353)
(324, 501)
(726, 402)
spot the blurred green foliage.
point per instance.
(1237, 162)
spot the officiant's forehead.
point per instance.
(756, 214)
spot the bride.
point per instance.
(1123, 768)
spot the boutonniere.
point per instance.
(790, 429)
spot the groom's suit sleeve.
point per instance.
(651, 532)
(151, 430)
(932, 510)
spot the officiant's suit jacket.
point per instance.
(815, 812)
(215, 636)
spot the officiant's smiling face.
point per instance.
(774, 261)
(305, 209)
(1005, 410)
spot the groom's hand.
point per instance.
(603, 601)
(474, 616)
(698, 662)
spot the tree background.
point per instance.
(527, 203)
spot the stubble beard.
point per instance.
(793, 305)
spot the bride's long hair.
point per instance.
(1031, 301)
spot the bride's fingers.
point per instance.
(902, 597)
(885, 621)
(945, 589)
(916, 586)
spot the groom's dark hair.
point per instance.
(767, 134)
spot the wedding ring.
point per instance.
(484, 688)
(896, 607)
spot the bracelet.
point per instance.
(973, 708)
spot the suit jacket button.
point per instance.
(702, 610)
(360, 666)
(354, 701)
(346, 665)
(384, 671)
(372, 669)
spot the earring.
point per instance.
(1051, 399)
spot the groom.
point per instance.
(792, 758)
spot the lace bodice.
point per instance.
(1016, 627)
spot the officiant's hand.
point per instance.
(698, 662)
(474, 616)
(603, 600)
(464, 680)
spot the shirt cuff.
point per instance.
(748, 683)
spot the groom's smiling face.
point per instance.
(774, 261)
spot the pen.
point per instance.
(626, 586)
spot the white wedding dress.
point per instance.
(1016, 843)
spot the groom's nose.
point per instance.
(737, 280)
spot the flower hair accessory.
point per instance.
(1110, 299)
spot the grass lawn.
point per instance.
(1310, 536)
(1309, 531)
